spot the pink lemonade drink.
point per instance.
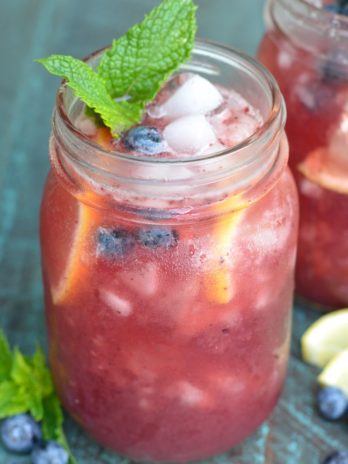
(305, 48)
(168, 260)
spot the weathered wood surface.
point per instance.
(35, 28)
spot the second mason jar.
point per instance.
(169, 282)
(305, 47)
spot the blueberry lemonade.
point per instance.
(306, 50)
(168, 235)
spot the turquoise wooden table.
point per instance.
(35, 28)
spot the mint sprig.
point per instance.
(92, 90)
(26, 386)
(139, 62)
(132, 71)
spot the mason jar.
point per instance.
(169, 282)
(305, 47)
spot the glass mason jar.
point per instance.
(173, 347)
(306, 49)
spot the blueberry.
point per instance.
(20, 433)
(144, 139)
(339, 457)
(114, 242)
(51, 453)
(335, 68)
(156, 237)
(332, 403)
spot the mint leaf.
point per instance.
(28, 378)
(13, 400)
(41, 375)
(52, 419)
(134, 68)
(92, 90)
(52, 423)
(139, 62)
(5, 358)
(26, 386)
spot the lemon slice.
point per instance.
(218, 279)
(335, 373)
(75, 268)
(325, 338)
(321, 168)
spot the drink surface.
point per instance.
(169, 335)
(315, 87)
(192, 117)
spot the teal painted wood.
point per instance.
(30, 29)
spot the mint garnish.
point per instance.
(138, 63)
(91, 89)
(135, 67)
(26, 386)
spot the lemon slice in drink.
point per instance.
(328, 166)
(75, 267)
(218, 279)
(335, 373)
(327, 337)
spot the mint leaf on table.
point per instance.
(5, 357)
(32, 375)
(132, 71)
(139, 62)
(26, 386)
(13, 399)
(52, 425)
(92, 90)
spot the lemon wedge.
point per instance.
(324, 339)
(323, 169)
(74, 268)
(335, 373)
(219, 283)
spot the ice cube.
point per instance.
(228, 384)
(116, 303)
(189, 134)
(236, 102)
(196, 96)
(143, 281)
(190, 395)
(236, 128)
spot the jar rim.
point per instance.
(276, 117)
(313, 14)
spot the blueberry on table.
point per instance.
(20, 433)
(51, 453)
(332, 403)
(114, 242)
(339, 457)
(144, 139)
(157, 237)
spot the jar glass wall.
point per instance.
(305, 48)
(168, 283)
